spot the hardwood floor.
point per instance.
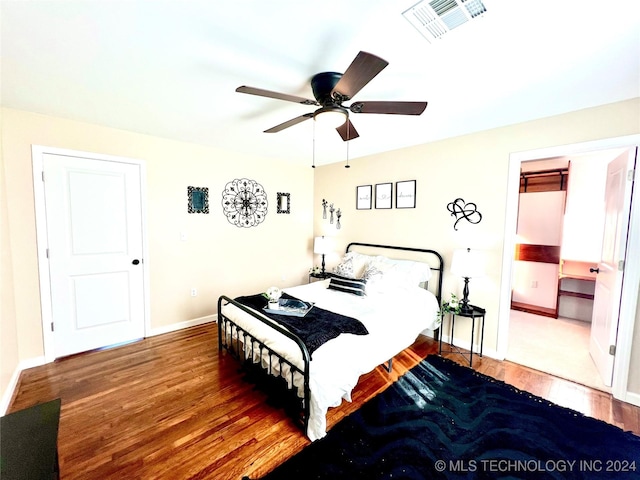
(171, 407)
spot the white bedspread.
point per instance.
(394, 319)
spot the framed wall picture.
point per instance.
(363, 197)
(197, 199)
(384, 195)
(406, 194)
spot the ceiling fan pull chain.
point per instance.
(347, 165)
(313, 143)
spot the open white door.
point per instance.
(95, 246)
(606, 304)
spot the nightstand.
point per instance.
(476, 313)
(319, 276)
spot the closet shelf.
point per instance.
(569, 293)
(576, 277)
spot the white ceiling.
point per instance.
(170, 68)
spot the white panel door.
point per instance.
(94, 233)
(606, 303)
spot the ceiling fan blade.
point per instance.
(361, 71)
(347, 131)
(279, 96)
(398, 108)
(290, 123)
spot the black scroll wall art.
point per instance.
(332, 210)
(244, 203)
(461, 210)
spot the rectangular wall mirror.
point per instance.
(284, 202)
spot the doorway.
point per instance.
(559, 239)
(90, 231)
(558, 346)
(632, 270)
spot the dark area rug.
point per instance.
(443, 420)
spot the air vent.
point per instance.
(436, 17)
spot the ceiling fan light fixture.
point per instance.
(330, 117)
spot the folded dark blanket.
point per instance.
(315, 328)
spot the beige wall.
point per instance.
(8, 334)
(220, 258)
(217, 258)
(473, 167)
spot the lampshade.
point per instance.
(321, 245)
(330, 117)
(467, 263)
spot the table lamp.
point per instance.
(321, 246)
(467, 264)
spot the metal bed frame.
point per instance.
(233, 338)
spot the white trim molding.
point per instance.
(37, 153)
(186, 324)
(5, 402)
(633, 398)
(632, 272)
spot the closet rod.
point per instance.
(545, 173)
(563, 172)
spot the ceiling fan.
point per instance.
(331, 89)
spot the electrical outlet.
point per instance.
(194, 292)
(534, 284)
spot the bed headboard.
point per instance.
(431, 257)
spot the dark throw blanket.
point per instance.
(315, 328)
(444, 421)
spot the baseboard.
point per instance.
(427, 332)
(633, 398)
(13, 382)
(486, 352)
(534, 309)
(8, 393)
(180, 325)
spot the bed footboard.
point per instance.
(242, 345)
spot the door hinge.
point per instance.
(612, 350)
(630, 175)
(52, 326)
(621, 266)
(47, 253)
(43, 175)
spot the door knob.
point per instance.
(136, 261)
(594, 270)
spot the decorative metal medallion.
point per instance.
(244, 202)
(469, 211)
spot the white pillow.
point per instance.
(345, 268)
(375, 279)
(419, 270)
(353, 264)
(402, 273)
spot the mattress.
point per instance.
(394, 318)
